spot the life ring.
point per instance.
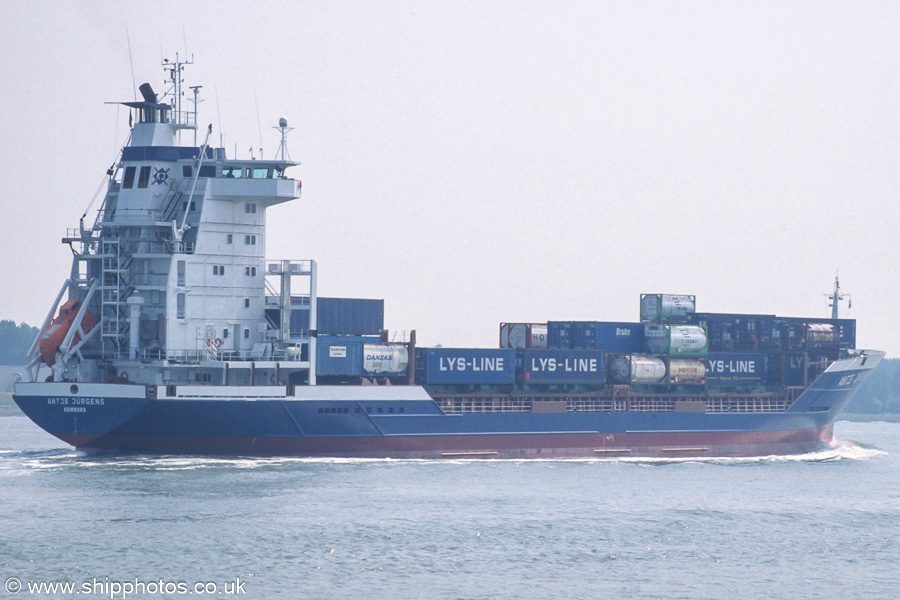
(217, 342)
(123, 375)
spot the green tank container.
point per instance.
(667, 307)
(675, 340)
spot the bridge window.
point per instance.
(233, 172)
(260, 172)
(187, 171)
(128, 182)
(144, 179)
(208, 171)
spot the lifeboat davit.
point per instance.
(54, 335)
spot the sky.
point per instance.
(473, 163)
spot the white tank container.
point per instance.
(687, 370)
(675, 339)
(637, 368)
(385, 359)
(523, 335)
(661, 307)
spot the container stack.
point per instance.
(349, 344)
(747, 349)
(671, 341)
(673, 346)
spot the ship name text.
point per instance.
(76, 401)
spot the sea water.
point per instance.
(821, 525)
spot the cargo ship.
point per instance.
(174, 334)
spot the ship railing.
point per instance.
(184, 118)
(607, 402)
(149, 247)
(289, 267)
(127, 214)
(257, 355)
(166, 247)
(195, 356)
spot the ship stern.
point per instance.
(80, 413)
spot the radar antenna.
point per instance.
(282, 153)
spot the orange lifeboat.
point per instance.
(54, 335)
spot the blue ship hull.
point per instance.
(405, 422)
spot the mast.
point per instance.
(836, 297)
(181, 119)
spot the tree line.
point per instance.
(879, 394)
(15, 340)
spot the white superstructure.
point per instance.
(174, 267)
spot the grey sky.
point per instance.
(478, 162)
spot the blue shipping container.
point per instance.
(341, 356)
(847, 329)
(626, 338)
(468, 365)
(596, 335)
(564, 366)
(736, 368)
(793, 369)
(339, 316)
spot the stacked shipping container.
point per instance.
(339, 316)
(595, 335)
(358, 356)
(562, 367)
(673, 345)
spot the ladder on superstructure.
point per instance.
(116, 287)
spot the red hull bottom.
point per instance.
(514, 446)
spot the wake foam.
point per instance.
(838, 450)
